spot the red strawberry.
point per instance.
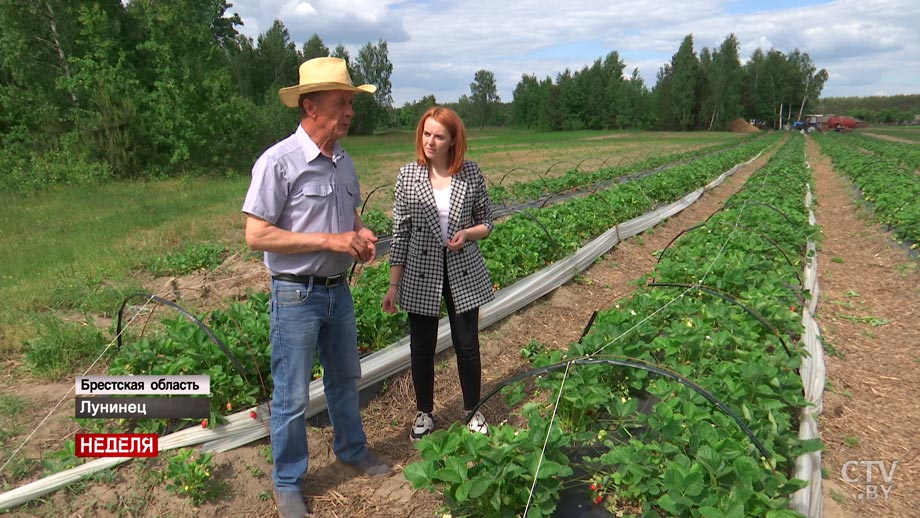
(599, 499)
(253, 414)
(204, 423)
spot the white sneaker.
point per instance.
(424, 425)
(478, 423)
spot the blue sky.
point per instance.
(869, 47)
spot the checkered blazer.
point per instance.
(418, 246)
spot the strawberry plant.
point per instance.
(491, 475)
(184, 348)
(189, 476)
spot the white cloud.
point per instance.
(436, 46)
(349, 22)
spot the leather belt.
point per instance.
(316, 280)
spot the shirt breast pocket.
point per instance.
(316, 190)
(314, 202)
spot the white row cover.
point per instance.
(810, 499)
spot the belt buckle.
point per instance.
(335, 280)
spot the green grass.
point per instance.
(10, 407)
(62, 348)
(83, 249)
(77, 248)
(904, 132)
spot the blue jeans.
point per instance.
(304, 319)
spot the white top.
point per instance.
(442, 201)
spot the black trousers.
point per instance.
(423, 337)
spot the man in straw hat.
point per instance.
(302, 211)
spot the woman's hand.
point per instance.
(389, 300)
(456, 243)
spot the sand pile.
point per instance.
(740, 125)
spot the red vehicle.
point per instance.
(839, 123)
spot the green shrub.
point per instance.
(36, 172)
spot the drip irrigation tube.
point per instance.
(749, 229)
(728, 298)
(217, 341)
(753, 202)
(635, 364)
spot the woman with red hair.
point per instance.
(441, 209)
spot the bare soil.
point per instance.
(869, 413)
(868, 313)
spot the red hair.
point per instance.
(452, 123)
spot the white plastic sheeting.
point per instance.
(237, 423)
(240, 428)
(810, 499)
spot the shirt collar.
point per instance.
(310, 149)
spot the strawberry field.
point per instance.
(519, 246)
(886, 175)
(682, 399)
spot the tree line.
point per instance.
(692, 92)
(96, 89)
(891, 109)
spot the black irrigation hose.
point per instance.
(728, 298)
(749, 229)
(587, 328)
(541, 225)
(754, 202)
(186, 314)
(368, 197)
(637, 364)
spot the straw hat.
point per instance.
(319, 74)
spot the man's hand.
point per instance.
(371, 240)
(360, 245)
